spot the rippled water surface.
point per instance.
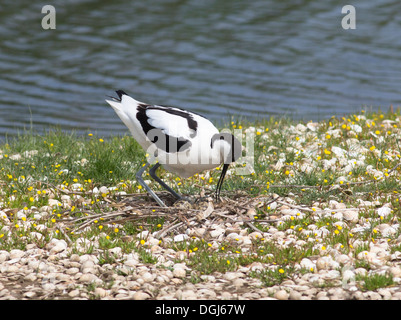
(220, 58)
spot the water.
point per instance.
(249, 59)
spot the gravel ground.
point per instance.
(55, 272)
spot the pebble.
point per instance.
(281, 295)
(179, 272)
(140, 296)
(88, 278)
(16, 253)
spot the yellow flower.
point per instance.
(328, 136)
(372, 148)
(101, 140)
(281, 270)
(116, 230)
(90, 134)
(142, 242)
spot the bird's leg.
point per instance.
(152, 173)
(220, 182)
(143, 184)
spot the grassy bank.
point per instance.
(65, 186)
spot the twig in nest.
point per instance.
(58, 226)
(294, 206)
(171, 227)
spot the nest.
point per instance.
(178, 217)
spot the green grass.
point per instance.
(375, 281)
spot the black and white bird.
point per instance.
(184, 142)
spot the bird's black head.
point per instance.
(233, 154)
(235, 147)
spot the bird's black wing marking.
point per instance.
(192, 124)
(163, 141)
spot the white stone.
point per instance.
(87, 264)
(180, 237)
(232, 275)
(348, 275)
(139, 295)
(54, 202)
(326, 263)
(351, 215)
(100, 292)
(104, 190)
(74, 293)
(116, 251)
(49, 286)
(384, 211)
(29, 294)
(386, 230)
(88, 278)
(281, 295)
(395, 271)
(60, 246)
(179, 272)
(307, 264)
(343, 259)
(217, 232)
(16, 253)
(147, 277)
